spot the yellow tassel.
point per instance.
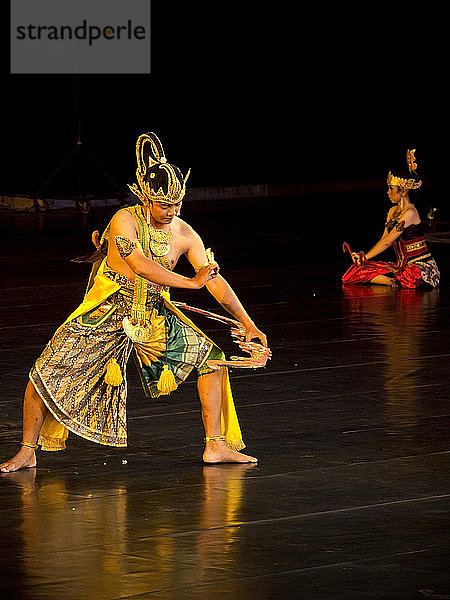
(166, 383)
(113, 374)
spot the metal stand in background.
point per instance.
(76, 154)
(81, 200)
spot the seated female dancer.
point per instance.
(414, 265)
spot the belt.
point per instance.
(415, 246)
(127, 288)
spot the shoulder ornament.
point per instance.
(126, 246)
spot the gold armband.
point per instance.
(125, 246)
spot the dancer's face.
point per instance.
(394, 193)
(164, 212)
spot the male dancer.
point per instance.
(78, 383)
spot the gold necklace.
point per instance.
(159, 239)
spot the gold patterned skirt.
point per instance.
(69, 375)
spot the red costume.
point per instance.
(414, 265)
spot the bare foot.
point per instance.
(24, 459)
(25, 478)
(218, 452)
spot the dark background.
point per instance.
(277, 93)
(242, 93)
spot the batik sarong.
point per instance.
(69, 375)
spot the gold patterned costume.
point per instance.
(71, 374)
(80, 375)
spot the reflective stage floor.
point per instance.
(350, 422)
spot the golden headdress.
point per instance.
(158, 180)
(406, 184)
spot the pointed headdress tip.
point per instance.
(149, 151)
(150, 154)
(411, 160)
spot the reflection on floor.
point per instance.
(350, 421)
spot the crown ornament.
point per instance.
(151, 162)
(406, 184)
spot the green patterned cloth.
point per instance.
(70, 373)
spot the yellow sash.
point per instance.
(229, 420)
